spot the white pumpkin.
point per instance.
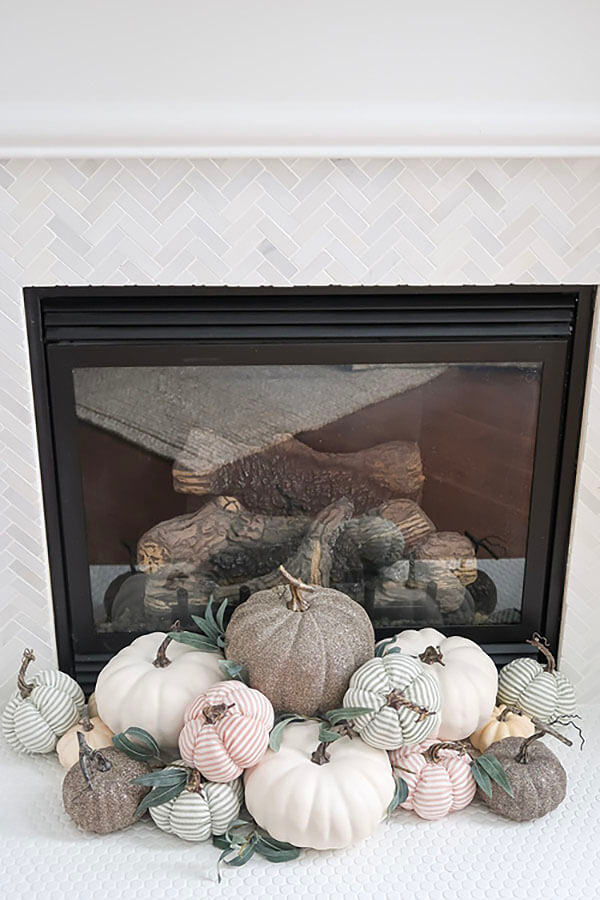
(149, 684)
(97, 735)
(202, 809)
(41, 710)
(404, 699)
(466, 675)
(325, 805)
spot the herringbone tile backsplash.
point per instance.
(280, 222)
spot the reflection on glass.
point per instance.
(406, 486)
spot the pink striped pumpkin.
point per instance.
(226, 730)
(434, 788)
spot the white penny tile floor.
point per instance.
(471, 854)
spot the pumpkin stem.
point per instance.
(320, 756)
(541, 644)
(89, 757)
(509, 711)
(25, 688)
(432, 754)
(86, 723)
(194, 782)
(432, 655)
(542, 729)
(297, 603)
(161, 660)
(396, 700)
(214, 714)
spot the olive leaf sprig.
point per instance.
(138, 744)
(166, 784)
(212, 629)
(487, 768)
(243, 839)
(334, 724)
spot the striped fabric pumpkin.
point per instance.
(226, 730)
(538, 689)
(436, 786)
(202, 809)
(41, 710)
(405, 700)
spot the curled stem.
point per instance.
(25, 687)
(541, 644)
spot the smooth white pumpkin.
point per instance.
(202, 809)
(466, 675)
(502, 724)
(404, 699)
(326, 806)
(132, 690)
(539, 689)
(97, 735)
(41, 710)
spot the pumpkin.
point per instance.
(503, 723)
(537, 779)
(97, 735)
(149, 684)
(438, 777)
(466, 676)
(322, 796)
(405, 701)
(538, 689)
(98, 793)
(226, 730)
(92, 707)
(41, 710)
(300, 644)
(203, 808)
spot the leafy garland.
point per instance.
(211, 638)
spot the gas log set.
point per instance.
(351, 521)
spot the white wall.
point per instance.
(283, 77)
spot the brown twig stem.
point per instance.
(542, 729)
(25, 688)
(320, 756)
(397, 700)
(297, 602)
(161, 660)
(541, 644)
(89, 757)
(194, 782)
(215, 713)
(433, 753)
(432, 655)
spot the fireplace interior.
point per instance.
(415, 449)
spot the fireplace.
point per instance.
(415, 448)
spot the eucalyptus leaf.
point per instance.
(159, 795)
(276, 854)
(496, 772)
(137, 744)
(347, 713)
(481, 777)
(276, 734)
(235, 671)
(220, 617)
(400, 794)
(197, 641)
(162, 778)
(236, 855)
(380, 648)
(326, 735)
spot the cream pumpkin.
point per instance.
(298, 796)
(97, 735)
(502, 724)
(466, 675)
(226, 730)
(150, 683)
(438, 777)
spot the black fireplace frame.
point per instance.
(70, 326)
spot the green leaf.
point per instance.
(235, 671)
(276, 854)
(162, 778)
(220, 617)
(496, 772)
(481, 777)
(400, 794)
(276, 734)
(381, 646)
(158, 796)
(236, 855)
(326, 735)
(137, 744)
(347, 713)
(197, 641)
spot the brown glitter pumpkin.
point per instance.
(97, 790)
(537, 779)
(300, 644)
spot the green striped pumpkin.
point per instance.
(41, 710)
(405, 701)
(537, 689)
(203, 808)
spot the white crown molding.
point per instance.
(296, 130)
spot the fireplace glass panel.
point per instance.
(405, 486)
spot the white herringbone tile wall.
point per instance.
(281, 222)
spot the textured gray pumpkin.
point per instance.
(300, 645)
(108, 801)
(539, 784)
